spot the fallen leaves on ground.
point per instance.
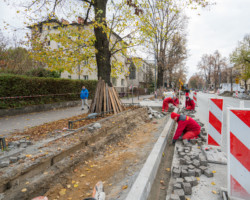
(214, 172)
(213, 183)
(168, 169)
(124, 187)
(24, 190)
(214, 192)
(62, 192)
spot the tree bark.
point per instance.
(160, 75)
(103, 55)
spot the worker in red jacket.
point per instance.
(186, 125)
(189, 104)
(174, 101)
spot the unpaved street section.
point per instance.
(117, 166)
(67, 165)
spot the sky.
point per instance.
(218, 28)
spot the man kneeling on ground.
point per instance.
(174, 101)
(186, 125)
(189, 104)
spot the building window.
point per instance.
(49, 28)
(122, 82)
(114, 81)
(86, 62)
(59, 45)
(48, 43)
(85, 77)
(40, 29)
(143, 66)
(69, 76)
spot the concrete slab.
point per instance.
(214, 154)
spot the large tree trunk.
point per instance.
(160, 75)
(103, 55)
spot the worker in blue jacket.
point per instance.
(84, 96)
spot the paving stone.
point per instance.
(188, 180)
(174, 197)
(189, 162)
(176, 172)
(196, 163)
(4, 163)
(199, 142)
(182, 154)
(177, 186)
(179, 180)
(203, 162)
(187, 187)
(197, 172)
(29, 143)
(202, 129)
(194, 181)
(180, 193)
(13, 159)
(202, 168)
(191, 167)
(191, 172)
(184, 173)
(187, 151)
(23, 145)
(193, 141)
(208, 173)
(185, 142)
(182, 161)
(186, 157)
(185, 167)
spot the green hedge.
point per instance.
(16, 85)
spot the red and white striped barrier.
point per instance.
(239, 153)
(214, 135)
(236, 94)
(195, 98)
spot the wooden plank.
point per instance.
(93, 104)
(107, 96)
(110, 106)
(116, 106)
(104, 99)
(112, 101)
(99, 105)
(96, 96)
(117, 100)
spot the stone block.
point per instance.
(97, 125)
(182, 154)
(196, 163)
(187, 187)
(185, 142)
(176, 172)
(193, 141)
(197, 172)
(185, 167)
(191, 167)
(191, 172)
(180, 193)
(188, 180)
(177, 186)
(174, 197)
(23, 145)
(21, 157)
(194, 181)
(182, 161)
(203, 162)
(179, 180)
(13, 159)
(4, 163)
(208, 173)
(202, 168)
(186, 157)
(184, 173)
(189, 162)
(186, 151)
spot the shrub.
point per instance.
(56, 90)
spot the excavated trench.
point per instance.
(71, 166)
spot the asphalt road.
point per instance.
(202, 112)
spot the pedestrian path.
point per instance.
(21, 122)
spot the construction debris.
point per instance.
(106, 99)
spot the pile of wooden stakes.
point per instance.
(106, 99)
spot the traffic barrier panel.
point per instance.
(195, 98)
(238, 130)
(236, 94)
(215, 118)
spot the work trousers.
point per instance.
(191, 135)
(85, 101)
